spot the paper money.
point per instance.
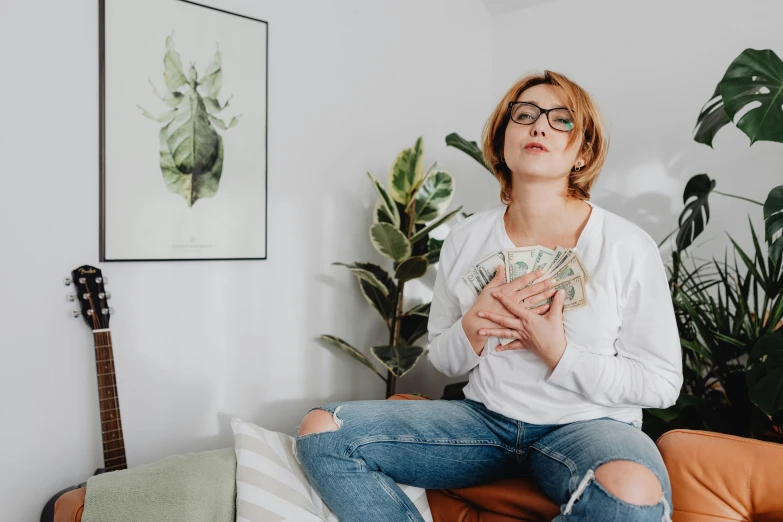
(519, 261)
(482, 272)
(562, 264)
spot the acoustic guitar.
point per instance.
(93, 298)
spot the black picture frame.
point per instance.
(118, 239)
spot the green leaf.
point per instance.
(173, 75)
(380, 299)
(434, 196)
(411, 268)
(434, 244)
(389, 241)
(470, 148)
(212, 80)
(407, 172)
(398, 359)
(711, 119)
(432, 226)
(365, 275)
(696, 213)
(385, 204)
(412, 328)
(755, 77)
(433, 256)
(350, 350)
(197, 183)
(773, 223)
(765, 373)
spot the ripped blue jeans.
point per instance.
(439, 444)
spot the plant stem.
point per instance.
(738, 197)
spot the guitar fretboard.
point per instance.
(111, 423)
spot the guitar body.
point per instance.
(47, 515)
(91, 294)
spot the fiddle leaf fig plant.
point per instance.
(411, 205)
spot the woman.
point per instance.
(563, 402)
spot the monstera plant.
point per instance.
(408, 209)
(729, 317)
(191, 150)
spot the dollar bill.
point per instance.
(480, 274)
(571, 266)
(542, 258)
(519, 261)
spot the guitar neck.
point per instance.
(111, 423)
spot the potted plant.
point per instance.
(413, 204)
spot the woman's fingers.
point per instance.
(515, 345)
(523, 281)
(508, 333)
(500, 275)
(534, 299)
(510, 304)
(537, 288)
(541, 310)
(502, 320)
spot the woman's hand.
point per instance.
(544, 335)
(516, 291)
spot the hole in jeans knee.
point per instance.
(318, 423)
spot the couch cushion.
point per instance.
(272, 486)
(717, 477)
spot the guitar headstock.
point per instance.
(91, 295)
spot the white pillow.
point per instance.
(271, 485)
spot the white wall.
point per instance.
(351, 84)
(651, 66)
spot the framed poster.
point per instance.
(183, 132)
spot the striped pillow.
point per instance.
(271, 485)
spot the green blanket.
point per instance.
(193, 487)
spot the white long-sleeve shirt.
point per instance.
(623, 348)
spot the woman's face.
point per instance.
(554, 162)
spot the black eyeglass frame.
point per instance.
(541, 111)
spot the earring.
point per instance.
(502, 159)
(578, 168)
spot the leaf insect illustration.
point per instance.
(191, 150)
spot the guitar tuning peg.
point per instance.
(76, 313)
(72, 297)
(103, 295)
(105, 280)
(108, 295)
(111, 310)
(67, 281)
(98, 280)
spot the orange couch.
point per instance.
(715, 478)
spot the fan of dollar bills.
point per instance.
(563, 265)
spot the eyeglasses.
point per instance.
(527, 113)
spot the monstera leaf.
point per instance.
(773, 222)
(753, 77)
(765, 373)
(470, 148)
(398, 359)
(407, 172)
(434, 196)
(696, 213)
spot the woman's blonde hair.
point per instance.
(588, 126)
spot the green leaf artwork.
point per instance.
(191, 150)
